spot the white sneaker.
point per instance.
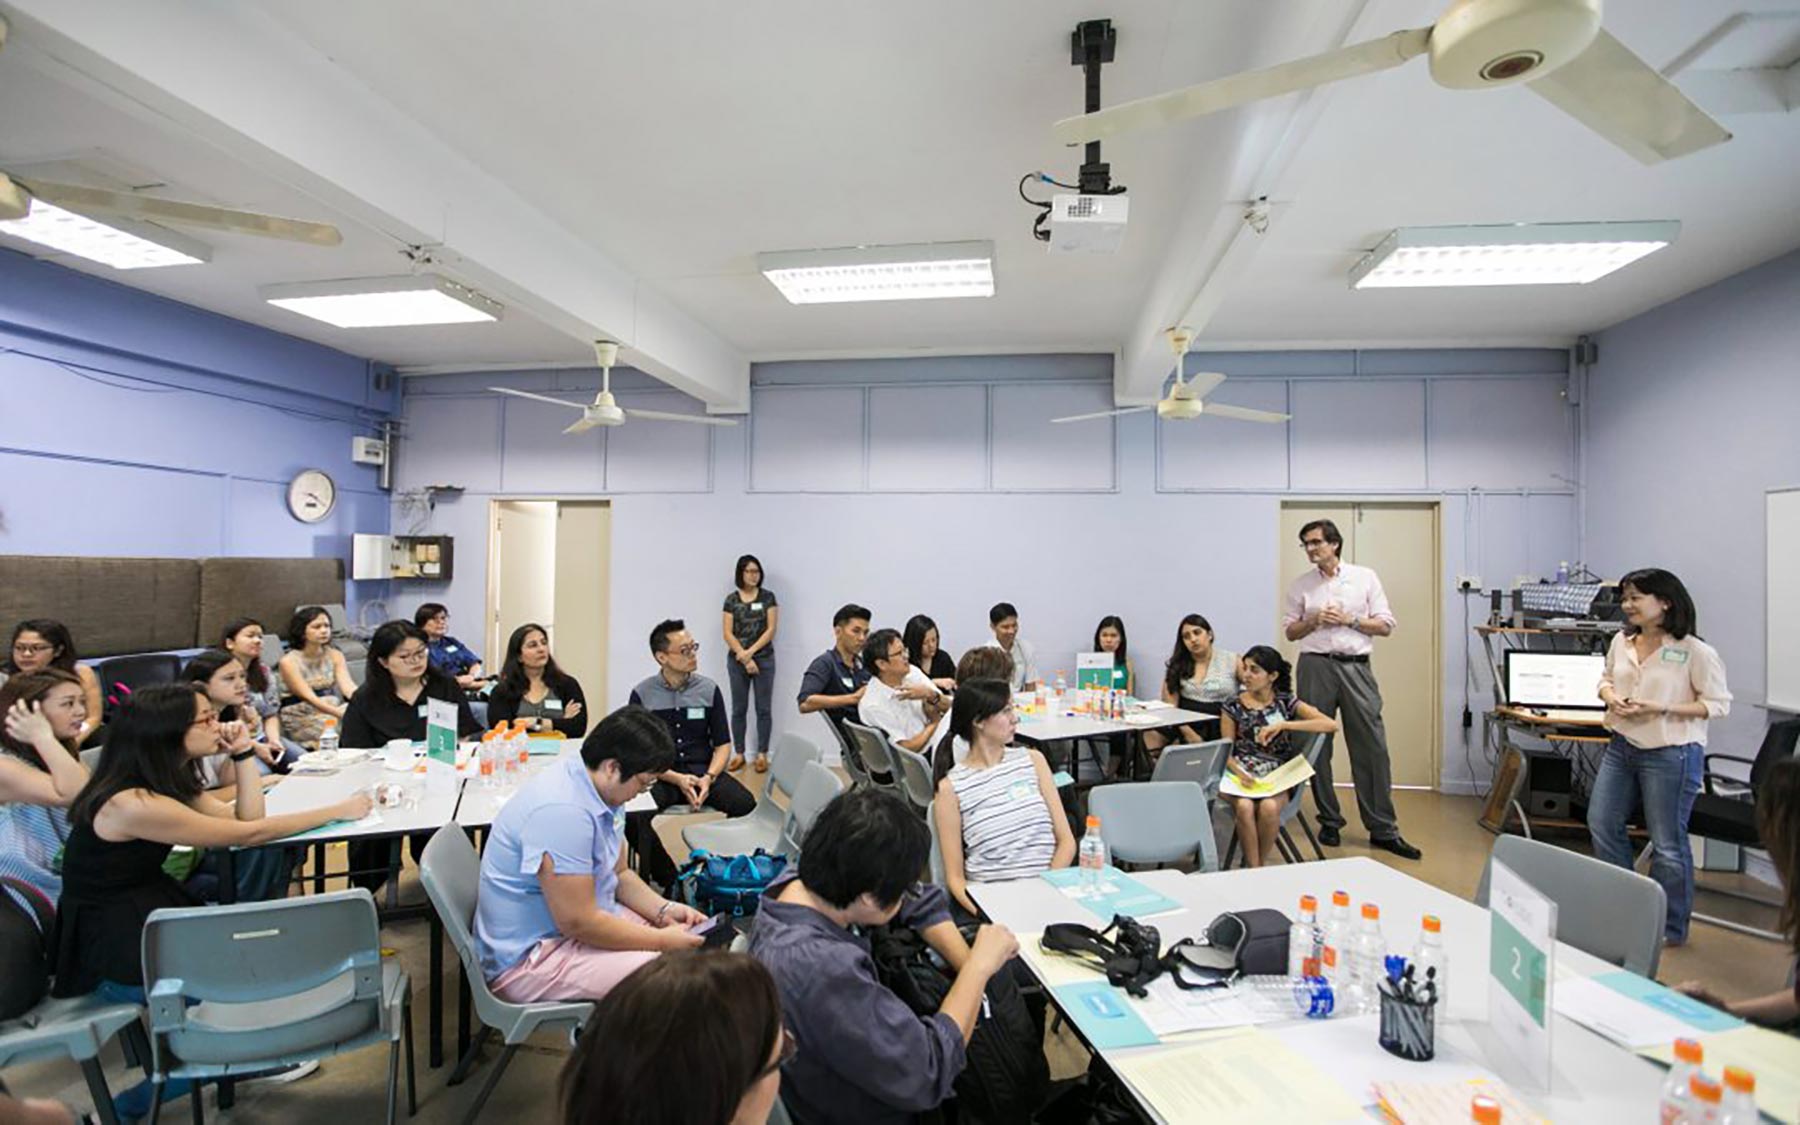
(286, 1074)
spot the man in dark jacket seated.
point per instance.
(863, 1054)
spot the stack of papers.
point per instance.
(1636, 1012)
(1278, 780)
(1234, 1079)
(1170, 1009)
(1431, 1103)
(1114, 893)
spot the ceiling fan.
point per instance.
(1186, 397)
(603, 411)
(1556, 46)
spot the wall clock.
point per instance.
(311, 495)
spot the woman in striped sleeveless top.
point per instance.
(998, 813)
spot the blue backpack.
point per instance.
(728, 884)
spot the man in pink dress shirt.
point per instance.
(1332, 611)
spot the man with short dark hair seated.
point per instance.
(863, 1054)
(835, 681)
(559, 916)
(901, 702)
(693, 708)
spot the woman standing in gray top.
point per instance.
(750, 616)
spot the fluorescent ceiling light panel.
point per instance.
(1507, 254)
(385, 302)
(882, 273)
(123, 244)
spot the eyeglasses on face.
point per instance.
(687, 650)
(32, 649)
(410, 654)
(1313, 542)
(208, 719)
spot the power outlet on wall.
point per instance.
(1467, 582)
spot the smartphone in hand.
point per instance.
(718, 932)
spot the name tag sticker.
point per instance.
(1021, 791)
(850, 682)
(755, 607)
(696, 712)
(1674, 656)
(1061, 778)
(451, 648)
(552, 704)
(422, 710)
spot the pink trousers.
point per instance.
(561, 968)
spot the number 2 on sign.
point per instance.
(1518, 965)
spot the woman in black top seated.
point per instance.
(533, 688)
(925, 651)
(389, 705)
(146, 797)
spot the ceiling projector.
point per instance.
(1087, 224)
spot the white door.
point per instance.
(521, 572)
(1400, 542)
(583, 582)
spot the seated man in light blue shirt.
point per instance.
(559, 916)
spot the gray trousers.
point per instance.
(1335, 688)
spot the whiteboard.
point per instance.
(1783, 625)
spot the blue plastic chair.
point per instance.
(78, 1029)
(451, 872)
(1155, 822)
(234, 990)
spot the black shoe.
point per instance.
(1398, 846)
(1328, 836)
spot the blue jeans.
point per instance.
(743, 686)
(1665, 780)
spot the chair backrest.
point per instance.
(871, 746)
(788, 764)
(1202, 763)
(848, 755)
(90, 757)
(915, 776)
(1778, 743)
(1315, 746)
(255, 952)
(136, 672)
(937, 847)
(450, 870)
(817, 787)
(1615, 914)
(1156, 822)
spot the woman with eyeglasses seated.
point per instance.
(42, 643)
(40, 774)
(391, 704)
(719, 1013)
(315, 678)
(533, 688)
(146, 797)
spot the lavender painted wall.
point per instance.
(1069, 522)
(134, 425)
(1690, 417)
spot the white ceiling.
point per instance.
(678, 141)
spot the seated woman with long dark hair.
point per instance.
(43, 714)
(242, 637)
(925, 649)
(532, 687)
(391, 704)
(998, 813)
(42, 643)
(315, 678)
(1198, 677)
(1260, 722)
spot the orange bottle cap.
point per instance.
(1484, 1110)
(1340, 898)
(1093, 822)
(331, 720)
(1705, 1089)
(1432, 925)
(1688, 1051)
(1741, 1080)
(1370, 910)
(1308, 902)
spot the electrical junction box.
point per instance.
(368, 451)
(1087, 224)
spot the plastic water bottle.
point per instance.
(1303, 942)
(1335, 939)
(1562, 573)
(328, 736)
(489, 753)
(1704, 1101)
(1430, 954)
(1368, 961)
(1092, 856)
(522, 729)
(1738, 1106)
(1676, 1101)
(1062, 687)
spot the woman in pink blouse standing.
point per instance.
(1662, 683)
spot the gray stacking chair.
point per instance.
(914, 773)
(848, 755)
(77, 1029)
(1155, 822)
(1292, 811)
(937, 845)
(817, 787)
(451, 872)
(243, 988)
(1200, 762)
(761, 827)
(1614, 914)
(871, 747)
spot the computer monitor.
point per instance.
(1567, 681)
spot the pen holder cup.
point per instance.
(1407, 1027)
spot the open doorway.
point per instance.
(550, 562)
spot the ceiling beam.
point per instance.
(1217, 241)
(233, 77)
